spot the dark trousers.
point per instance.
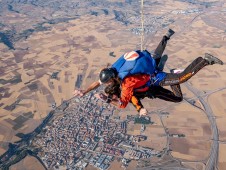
(191, 70)
(160, 49)
(157, 91)
(167, 95)
(174, 80)
(160, 92)
(164, 94)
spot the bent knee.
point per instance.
(179, 99)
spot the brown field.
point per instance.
(222, 153)
(115, 165)
(184, 119)
(198, 166)
(28, 163)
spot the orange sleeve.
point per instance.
(128, 85)
(136, 103)
(126, 92)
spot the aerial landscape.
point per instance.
(50, 48)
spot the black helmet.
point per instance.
(107, 74)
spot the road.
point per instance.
(212, 162)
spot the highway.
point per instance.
(212, 162)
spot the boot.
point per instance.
(212, 60)
(169, 33)
(176, 71)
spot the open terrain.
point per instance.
(50, 48)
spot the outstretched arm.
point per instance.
(93, 86)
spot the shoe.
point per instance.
(176, 71)
(169, 33)
(212, 60)
(172, 70)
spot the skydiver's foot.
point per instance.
(212, 60)
(176, 71)
(169, 33)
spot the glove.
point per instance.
(101, 96)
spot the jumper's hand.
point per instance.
(143, 112)
(101, 96)
(78, 93)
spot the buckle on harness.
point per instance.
(153, 78)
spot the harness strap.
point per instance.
(146, 86)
